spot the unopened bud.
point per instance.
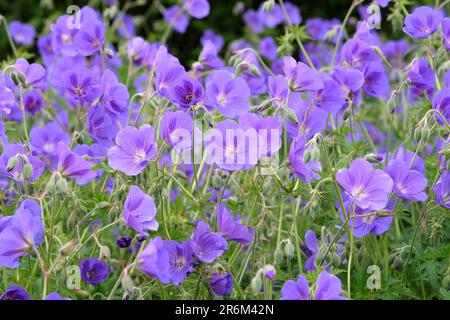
(62, 186)
(289, 250)
(307, 156)
(268, 5)
(256, 284)
(12, 163)
(27, 171)
(68, 248)
(278, 256)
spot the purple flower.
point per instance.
(305, 171)
(328, 287)
(296, 290)
(167, 72)
(7, 100)
(254, 20)
(33, 102)
(101, 126)
(441, 103)
(137, 49)
(176, 129)
(383, 3)
(311, 249)
(331, 98)
(421, 78)
(358, 54)
(115, 97)
(229, 96)
(442, 190)
(124, 242)
(198, 9)
(180, 260)
(268, 48)
(94, 271)
(34, 73)
(366, 187)
(206, 245)
(63, 37)
(446, 32)
(82, 84)
(215, 39)
(208, 57)
(231, 228)
(22, 33)
(273, 17)
(300, 76)
(133, 150)
(139, 211)
(187, 92)
(350, 80)
(408, 184)
(73, 165)
(293, 13)
(221, 285)
(14, 292)
(155, 260)
(176, 18)
(376, 82)
(314, 122)
(366, 221)
(55, 296)
(126, 28)
(16, 173)
(23, 232)
(45, 140)
(232, 146)
(90, 38)
(45, 48)
(423, 22)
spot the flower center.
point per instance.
(222, 99)
(180, 262)
(139, 155)
(358, 193)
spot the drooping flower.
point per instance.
(229, 96)
(139, 211)
(421, 78)
(408, 184)
(154, 260)
(446, 32)
(442, 190)
(34, 73)
(14, 292)
(231, 228)
(441, 103)
(301, 77)
(22, 33)
(206, 245)
(367, 187)
(73, 165)
(180, 260)
(133, 150)
(328, 287)
(422, 22)
(305, 171)
(94, 271)
(221, 285)
(115, 96)
(23, 232)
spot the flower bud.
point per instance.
(269, 272)
(127, 282)
(307, 156)
(68, 248)
(417, 133)
(2, 147)
(289, 250)
(12, 163)
(254, 70)
(315, 154)
(256, 284)
(424, 133)
(268, 5)
(27, 171)
(102, 205)
(278, 255)
(62, 186)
